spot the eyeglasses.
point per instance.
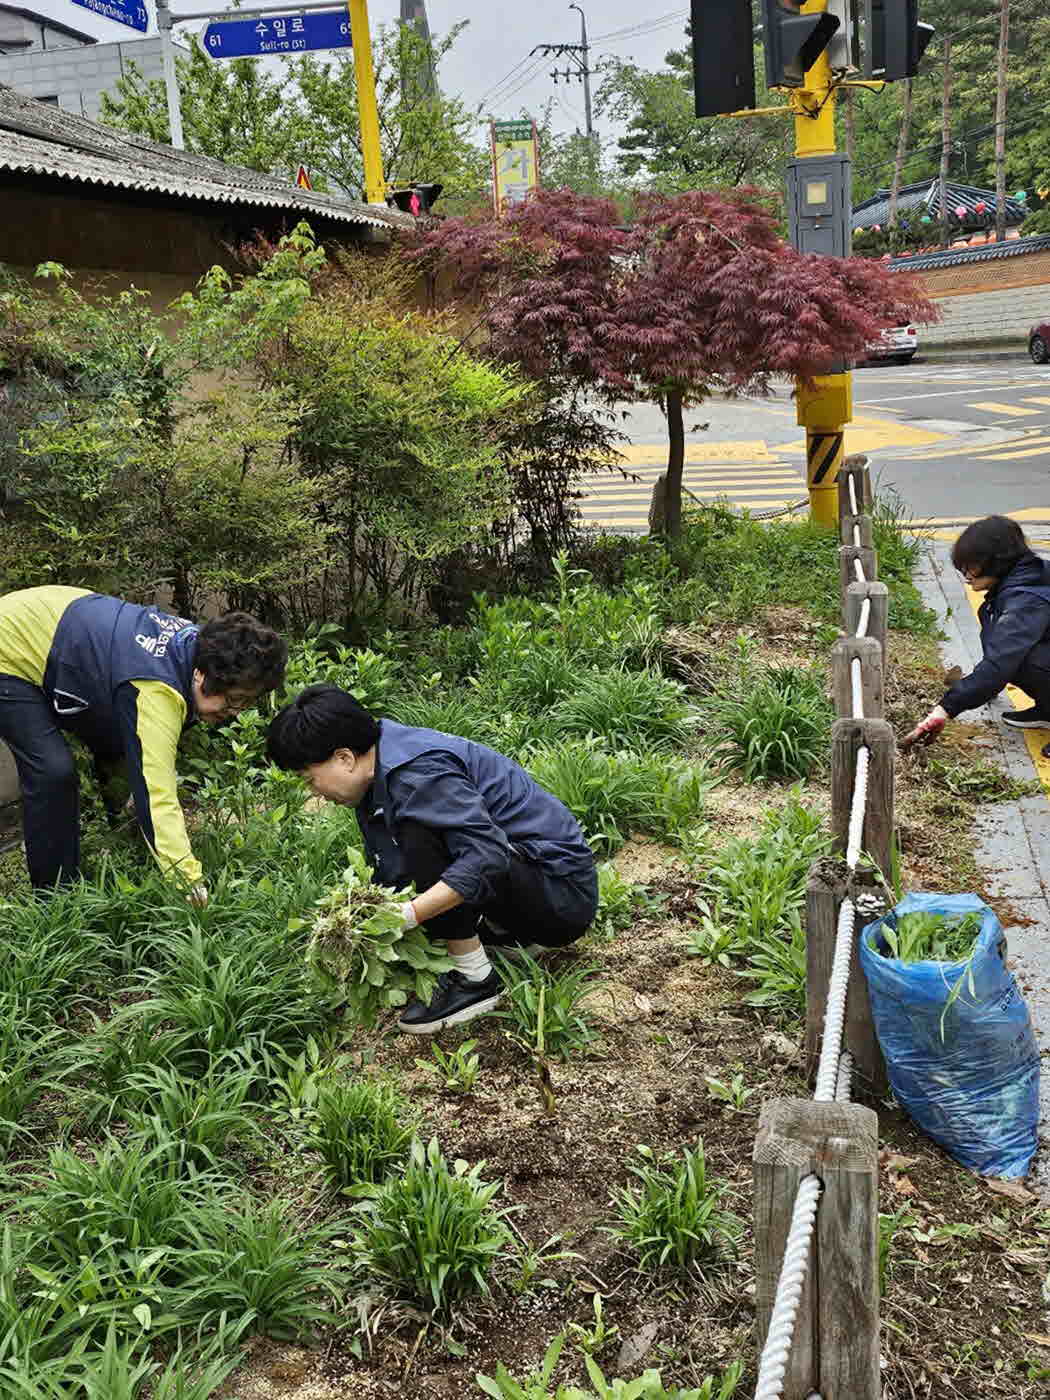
(971, 572)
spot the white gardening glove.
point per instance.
(198, 896)
(929, 729)
(408, 913)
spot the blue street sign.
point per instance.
(128, 12)
(239, 38)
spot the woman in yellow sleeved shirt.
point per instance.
(125, 680)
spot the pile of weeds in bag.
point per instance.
(954, 1029)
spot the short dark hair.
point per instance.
(993, 545)
(236, 651)
(321, 719)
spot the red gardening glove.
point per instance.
(928, 730)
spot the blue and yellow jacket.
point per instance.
(120, 678)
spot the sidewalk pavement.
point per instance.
(1013, 838)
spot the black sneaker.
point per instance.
(455, 1000)
(1027, 719)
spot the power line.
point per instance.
(643, 27)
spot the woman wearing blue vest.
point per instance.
(125, 680)
(993, 556)
(494, 856)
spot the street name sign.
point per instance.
(128, 12)
(243, 38)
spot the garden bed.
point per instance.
(158, 1054)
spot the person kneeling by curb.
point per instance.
(993, 556)
(493, 854)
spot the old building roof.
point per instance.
(925, 196)
(41, 139)
(983, 252)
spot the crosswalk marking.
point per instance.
(1012, 410)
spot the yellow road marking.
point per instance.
(1012, 410)
(695, 452)
(1036, 398)
(999, 456)
(868, 434)
(1034, 738)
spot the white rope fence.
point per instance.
(834, 1071)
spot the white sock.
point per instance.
(475, 966)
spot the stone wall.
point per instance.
(994, 302)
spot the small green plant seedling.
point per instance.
(533, 1258)
(734, 1095)
(888, 1228)
(592, 1341)
(457, 1069)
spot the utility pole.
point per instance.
(165, 19)
(581, 71)
(946, 137)
(1000, 122)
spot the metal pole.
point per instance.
(368, 112)
(171, 80)
(825, 408)
(592, 154)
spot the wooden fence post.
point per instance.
(847, 736)
(869, 561)
(855, 466)
(836, 1344)
(863, 524)
(868, 651)
(878, 615)
(825, 890)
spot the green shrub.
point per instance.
(432, 1233)
(778, 726)
(541, 1006)
(779, 968)
(673, 1218)
(361, 1129)
(27, 1068)
(633, 709)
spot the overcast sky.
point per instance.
(490, 63)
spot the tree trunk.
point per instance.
(1000, 122)
(902, 146)
(675, 463)
(946, 136)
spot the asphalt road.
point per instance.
(956, 440)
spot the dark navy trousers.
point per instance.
(527, 904)
(48, 778)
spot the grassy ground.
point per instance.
(192, 1059)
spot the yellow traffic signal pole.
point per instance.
(368, 112)
(826, 407)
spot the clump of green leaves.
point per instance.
(632, 709)
(649, 1386)
(978, 780)
(776, 725)
(926, 937)
(432, 1232)
(673, 1217)
(613, 794)
(361, 1128)
(360, 948)
(542, 1006)
(457, 1069)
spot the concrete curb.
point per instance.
(975, 354)
(1012, 838)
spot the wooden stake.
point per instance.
(836, 1343)
(847, 736)
(869, 653)
(878, 615)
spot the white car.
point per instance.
(898, 345)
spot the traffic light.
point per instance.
(723, 56)
(794, 41)
(895, 39)
(415, 199)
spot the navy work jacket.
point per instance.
(484, 805)
(1015, 631)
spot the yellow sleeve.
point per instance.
(152, 715)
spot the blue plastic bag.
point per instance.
(968, 1075)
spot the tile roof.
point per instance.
(983, 252)
(38, 138)
(926, 196)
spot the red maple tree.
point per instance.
(699, 295)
